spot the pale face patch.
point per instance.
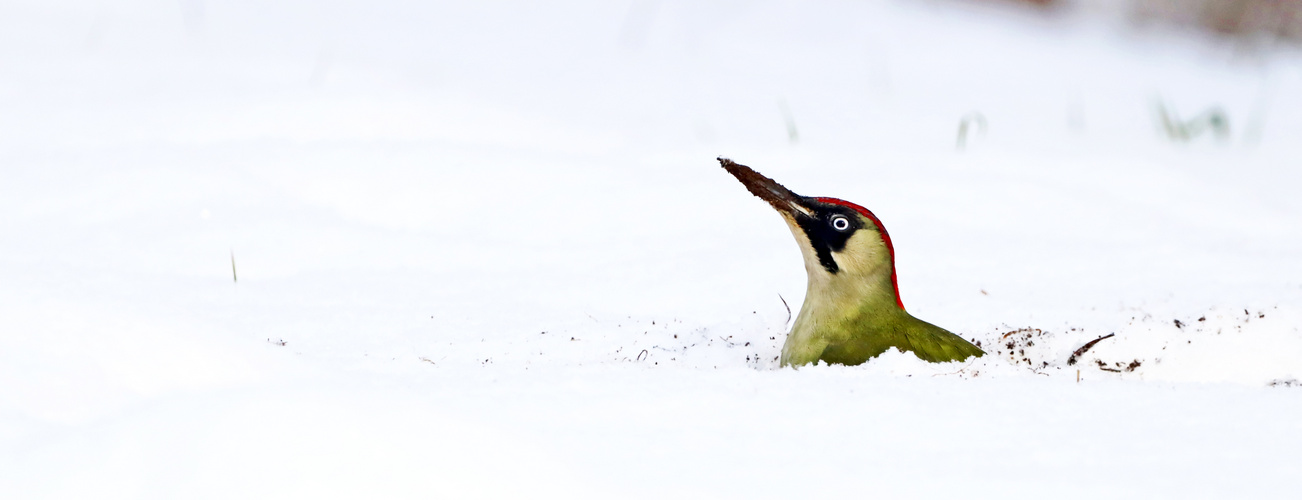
(864, 253)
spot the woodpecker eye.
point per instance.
(840, 222)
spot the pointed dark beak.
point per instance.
(767, 189)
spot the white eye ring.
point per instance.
(840, 223)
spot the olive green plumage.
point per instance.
(852, 311)
(866, 334)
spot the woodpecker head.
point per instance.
(844, 245)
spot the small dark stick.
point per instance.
(1072, 360)
(234, 276)
(784, 304)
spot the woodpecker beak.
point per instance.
(767, 189)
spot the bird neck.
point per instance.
(841, 297)
(839, 308)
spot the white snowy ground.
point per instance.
(484, 251)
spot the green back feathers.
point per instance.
(855, 342)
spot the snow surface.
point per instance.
(484, 251)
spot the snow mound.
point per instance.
(1254, 347)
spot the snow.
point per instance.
(485, 251)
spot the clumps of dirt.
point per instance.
(1045, 352)
(1029, 348)
(1149, 346)
(1117, 367)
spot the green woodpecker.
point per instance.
(852, 310)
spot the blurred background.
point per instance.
(487, 211)
(484, 154)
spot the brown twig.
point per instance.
(1072, 360)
